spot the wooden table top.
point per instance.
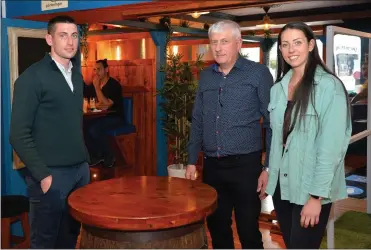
(137, 203)
(97, 114)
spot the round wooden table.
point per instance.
(143, 212)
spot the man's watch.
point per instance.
(265, 169)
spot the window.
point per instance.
(252, 53)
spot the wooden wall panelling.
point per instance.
(150, 117)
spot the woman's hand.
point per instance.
(310, 212)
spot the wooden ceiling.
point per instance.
(247, 13)
(156, 8)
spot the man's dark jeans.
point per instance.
(51, 224)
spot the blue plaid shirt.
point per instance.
(227, 111)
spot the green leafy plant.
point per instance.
(244, 55)
(178, 93)
(84, 46)
(166, 22)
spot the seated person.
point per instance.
(108, 94)
(363, 94)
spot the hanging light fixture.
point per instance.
(197, 14)
(267, 22)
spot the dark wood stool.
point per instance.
(14, 208)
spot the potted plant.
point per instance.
(178, 93)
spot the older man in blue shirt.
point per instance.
(233, 95)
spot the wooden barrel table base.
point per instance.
(185, 237)
(143, 212)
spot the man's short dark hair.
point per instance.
(103, 62)
(58, 19)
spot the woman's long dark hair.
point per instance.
(304, 92)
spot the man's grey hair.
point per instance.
(226, 24)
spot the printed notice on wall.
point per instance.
(53, 4)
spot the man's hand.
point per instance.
(46, 183)
(310, 213)
(262, 184)
(96, 82)
(191, 172)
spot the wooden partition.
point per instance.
(137, 78)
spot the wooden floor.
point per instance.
(270, 241)
(273, 241)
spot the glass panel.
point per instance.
(350, 54)
(320, 47)
(252, 54)
(272, 64)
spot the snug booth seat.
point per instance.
(129, 127)
(124, 138)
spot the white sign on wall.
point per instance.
(53, 4)
(347, 55)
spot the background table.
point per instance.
(91, 114)
(143, 212)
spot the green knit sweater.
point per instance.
(46, 122)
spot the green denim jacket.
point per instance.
(313, 159)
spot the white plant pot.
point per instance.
(176, 170)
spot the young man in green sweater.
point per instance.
(46, 133)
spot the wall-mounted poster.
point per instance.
(347, 58)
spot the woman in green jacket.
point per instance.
(311, 126)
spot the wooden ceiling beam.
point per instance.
(113, 31)
(316, 28)
(185, 41)
(107, 36)
(131, 11)
(313, 18)
(135, 24)
(306, 12)
(201, 19)
(169, 8)
(210, 18)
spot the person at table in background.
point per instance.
(232, 96)
(108, 93)
(311, 128)
(46, 134)
(363, 94)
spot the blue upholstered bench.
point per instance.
(129, 127)
(124, 138)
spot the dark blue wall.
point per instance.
(17, 8)
(12, 183)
